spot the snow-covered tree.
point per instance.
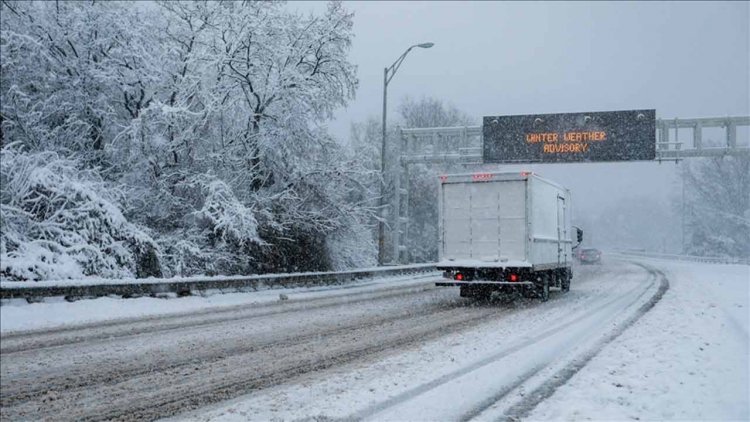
(57, 60)
(432, 112)
(366, 143)
(204, 119)
(717, 206)
(283, 74)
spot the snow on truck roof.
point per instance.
(494, 176)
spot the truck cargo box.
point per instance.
(496, 225)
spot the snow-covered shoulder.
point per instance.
(687, 359)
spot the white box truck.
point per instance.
(501, 231)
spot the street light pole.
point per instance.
(381, 205)
(386, 79)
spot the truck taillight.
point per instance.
(513, 277)
(459, 276)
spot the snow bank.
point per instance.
(687, 359)
(17, 315)
(96, 281)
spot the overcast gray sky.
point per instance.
(684, 59)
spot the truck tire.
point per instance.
(543, 288)
(530, 292)
(567, 276)
(475, 292)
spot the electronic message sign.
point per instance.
(570, 137)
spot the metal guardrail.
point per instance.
(72, 289)
(691, 258)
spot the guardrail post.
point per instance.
(731, 134)
(698, 135)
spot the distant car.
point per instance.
(589, 256)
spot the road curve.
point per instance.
(514, 365)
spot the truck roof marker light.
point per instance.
(481, 177)
(526, 173)
(443, 178)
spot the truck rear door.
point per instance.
(456, 221)
(484, 221)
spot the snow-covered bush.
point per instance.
(225, 217)
(59, 221)
(184, 255)
(216, 232)
(351, 247)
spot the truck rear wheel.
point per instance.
(466, 291)
(475, 292)
(565, 284)
(471, 291)
(543, 288)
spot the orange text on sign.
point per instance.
(565, 148)
(533, 138)
(585, 136)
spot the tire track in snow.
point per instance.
(158, 389)
(376, 411)
(111, 372)
(523, 408)
(167, 392)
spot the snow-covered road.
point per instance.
(479, 373)
(396, 349)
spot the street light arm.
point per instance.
(394, 67)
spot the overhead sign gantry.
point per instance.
(554, 138)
